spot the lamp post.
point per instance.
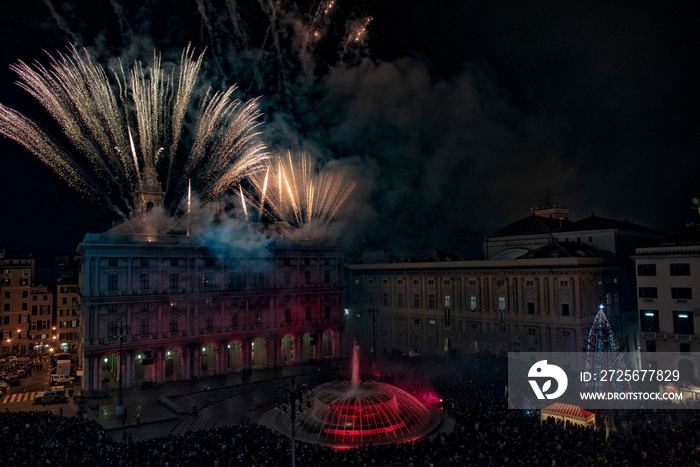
(123, 331)
(295, 397)
(373, 312)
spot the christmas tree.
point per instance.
(603, 357)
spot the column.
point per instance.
(129, 369)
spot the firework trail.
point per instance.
(134, 129)
(303, 195)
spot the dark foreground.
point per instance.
(486, 433)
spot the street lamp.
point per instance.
(373, 312)
(295, 397)
(123, 331)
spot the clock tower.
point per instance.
(150, 193)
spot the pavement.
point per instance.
(221, 400)
(160, 410)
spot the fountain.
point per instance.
(354, 413)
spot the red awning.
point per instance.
(568, 410)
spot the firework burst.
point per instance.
(127, 133)
(292, 191)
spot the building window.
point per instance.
(432, 321)
(112, 329)
(385, 299)
(173, 262)
(472, 303)
(112, 262)
(416, 300)
(143, 329)
(173, 324)
(682, 322)
(173, 305)
(287, 315)
(431, 301)
(287, 277)
(307, 277)
(209, 322)
(416, 282)
(143, 262)
(399, 300)
(680, 269)
(563, 283)
(259, 279)
(681, 293)
(112, 308)
(399, 281)
(431, 282)
(530, 283)
(501, 303)
(326, 277)
(234, 319)
(565, 309)
(448, 301)
(530, 308)
(327, 311)
(648, 292)
(113, 282)
(174, 281)
(143, 282)
(649, 320)
(500, 283)
(646, 269)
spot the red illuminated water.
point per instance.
(359, 412)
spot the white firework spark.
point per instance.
(303, 195)
(119, 134)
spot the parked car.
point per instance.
(62, 379)
(51, 395)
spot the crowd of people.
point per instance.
(485, 433)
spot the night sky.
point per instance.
(459, 116)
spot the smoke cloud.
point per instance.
(443, 150)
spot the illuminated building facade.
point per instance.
(193, 310)
(42, 334)
(16, 276)
(532, 304)
(538, 289)
(68, 333)
(668, 288)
